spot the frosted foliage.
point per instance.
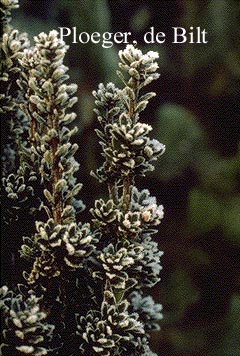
(85, 286)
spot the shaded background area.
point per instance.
(196, 115)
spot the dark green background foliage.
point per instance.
(196, 115)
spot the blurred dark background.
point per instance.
(196, 115)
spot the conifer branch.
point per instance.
(85, 289)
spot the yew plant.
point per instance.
(84, 284)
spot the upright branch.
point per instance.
(48, 98)
(141, 70)
(12, 44)
(85, 291)
(59, 243)
(129, 260)
(118, 111)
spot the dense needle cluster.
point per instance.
(84, 285)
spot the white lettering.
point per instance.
(179, 32)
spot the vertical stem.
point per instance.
(33, 126)
(133, 102)
(113, 192)
(56, 175)
(57, 207)
(33, 122)
(128, 180)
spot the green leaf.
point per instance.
(204, 212)
(177, 128)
